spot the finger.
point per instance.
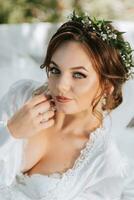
(38, 99)
(47, 124)
(45, 116)
(41, 108)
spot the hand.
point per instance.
(35, 115)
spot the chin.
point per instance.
(67, 110)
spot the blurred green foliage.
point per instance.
(19, 11)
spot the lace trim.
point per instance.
(83, 153)
(82, 159)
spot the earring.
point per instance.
(103, 101)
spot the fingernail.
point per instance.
(52, 103)
(52, 100)
(53, 108)
(48, 96)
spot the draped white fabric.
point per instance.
(101, 172)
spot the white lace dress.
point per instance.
(99, 173)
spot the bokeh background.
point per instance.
(25, 29)
(20, 11)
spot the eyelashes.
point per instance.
(55, 71)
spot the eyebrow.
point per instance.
(78, 67)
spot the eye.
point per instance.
(80, 75)
(53, 70)
(77, 75)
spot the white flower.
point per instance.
(114, 36)
(104, 36)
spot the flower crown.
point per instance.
(111, 36)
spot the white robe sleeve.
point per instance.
(128, 190)
(11, 149)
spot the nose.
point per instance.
(63, 85)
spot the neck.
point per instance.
(81, 123)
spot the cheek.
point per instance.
(51, 85)
(83, 94)
(87, 92)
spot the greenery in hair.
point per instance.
(108, 34)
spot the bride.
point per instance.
(55, 138)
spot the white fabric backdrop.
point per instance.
(22, 49)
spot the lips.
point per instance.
(62, 99)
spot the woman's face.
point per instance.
(72, 75)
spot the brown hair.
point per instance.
(106, 60)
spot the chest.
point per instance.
(54, 153)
